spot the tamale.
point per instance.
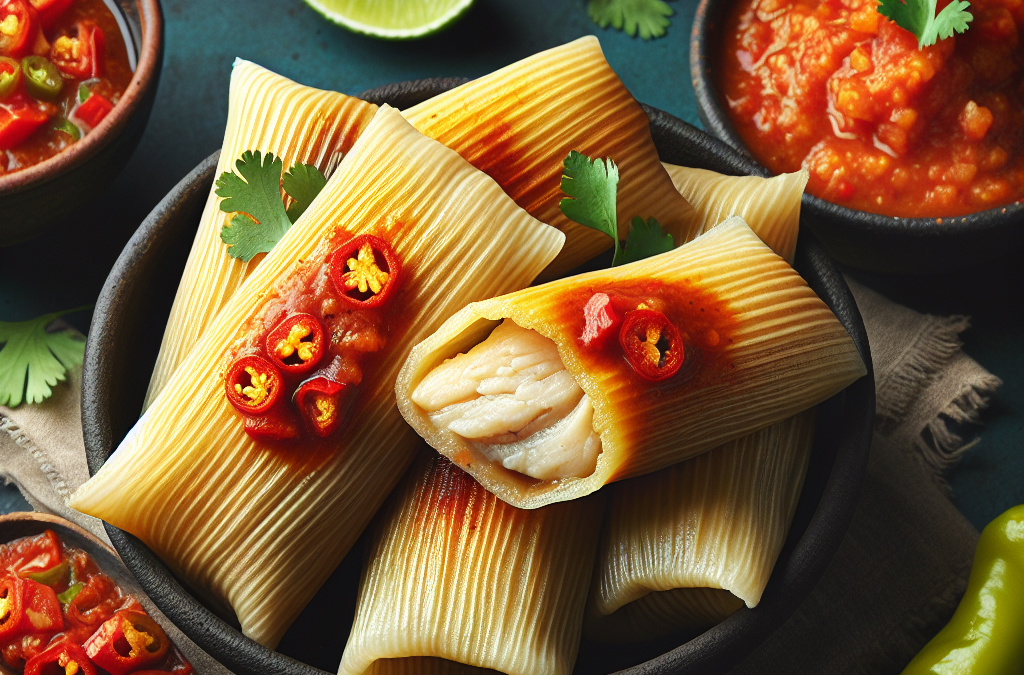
(259, 526)
(678, 538)
(688, 545)
(757, 346)
(519, 123)
(771, 206)
(454, 573)
(269, 113)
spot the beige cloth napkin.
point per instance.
(900, 570)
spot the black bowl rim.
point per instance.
(716, 649)
(703, 60)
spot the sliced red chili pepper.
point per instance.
(127, 642)
(19, 28)
(324, 399)
(19, 119)
(365, 271)
(63, 657)
(82, 55)
(296, 344)
(253, 385)
(93, 111)
(653, 346)
(602, 321)
(96, 602)
(27, 608)
(50, 10)
(277, 425)
(32, 554)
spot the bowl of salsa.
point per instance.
(915, 151)
(77, 81)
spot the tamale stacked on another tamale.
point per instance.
(771, 206)
(519, 123)
(454, 573)
(259, 526)
(269, 113)
(688, 545)
(752, 345)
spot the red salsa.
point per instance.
(834, 87)
(299, 371)
(63, 67)
(60, 614)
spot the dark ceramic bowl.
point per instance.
(42, 195)
(867, 241)
(17, 525)
(125, 336)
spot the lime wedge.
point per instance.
(392, 19)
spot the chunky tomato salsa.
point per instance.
(834, 87)
(60, 615)
(63, 67)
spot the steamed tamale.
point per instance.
(771, 206)
(259, 526)
(269, 113)
(688, 545)
(751, 345)
(457, 576)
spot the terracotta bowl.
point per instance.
(17, 525)
(864, 240)
(42, 195)
(125, 336)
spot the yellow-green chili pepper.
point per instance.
(55, 576)
(10, 76)
(42, 79)
(986, 634)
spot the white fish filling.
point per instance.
(513, 399)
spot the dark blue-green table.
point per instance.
(66, 267)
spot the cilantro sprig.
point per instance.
(649, 17)
(254, 196)
(918, 17)
(33, 360)
(591, 186)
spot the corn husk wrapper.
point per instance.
(765, 349)
(687, 546)
(456, 574)
(269, 113)
(771, 206)
(519, 123)
(259, 527)
(679, 538)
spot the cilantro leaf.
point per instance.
(918, 17)
(302, 183)
(591, 188)
(33, 360)
(254, 195)
(649, 17)
(646, 238)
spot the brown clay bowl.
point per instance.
(42, 195)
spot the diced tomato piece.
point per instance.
(19, 119)
(93, 111)
(82, 55)
(50, 10)
(19, 28)
(32, 554)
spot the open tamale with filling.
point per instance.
(551, 392)
(456, 576)
(685, 547)
(272, 114)
(277, 439)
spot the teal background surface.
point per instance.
(66, 267)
